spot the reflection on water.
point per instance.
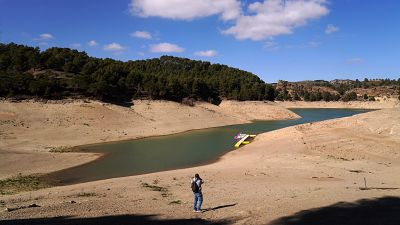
(180, 150)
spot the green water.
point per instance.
(184, 150)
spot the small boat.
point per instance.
(244, 139)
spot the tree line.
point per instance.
(320, 90)
(57, 73)
(62, 72)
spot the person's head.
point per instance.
(196, 176)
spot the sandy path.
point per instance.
(280, 173)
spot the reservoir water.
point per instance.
(182, 150)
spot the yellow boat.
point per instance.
(245, 139)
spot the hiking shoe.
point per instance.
(198, 211)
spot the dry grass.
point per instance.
(60, 149)
(21, 183)
(86, 194)
(164, 191)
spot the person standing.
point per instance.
(198, 195)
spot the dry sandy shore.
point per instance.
(310, 167)
(29, 130)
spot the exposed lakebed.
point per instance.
(182, 150)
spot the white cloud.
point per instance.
(207, 53)
(261, 19)
(166, 47)
(275, 17)
(92, 43)
(142, 34)
(186, 9)
(331, 29)
(113, 47)
(44, 37)
(353, 61)
(75, 45)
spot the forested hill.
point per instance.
(58, 73)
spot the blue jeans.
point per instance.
(198, 199)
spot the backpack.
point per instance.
(195, 187)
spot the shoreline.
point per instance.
(287, 106)
(80, 149)
(216, 159)
(87, 157)
(29, 129)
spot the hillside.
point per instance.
(57, 73)
(344, 90)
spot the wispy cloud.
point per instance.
(207, 53)
(353, 61)
(271, 45)
(142, 34)
(113, 47)
(330, 29)
(92, 43)
(44, 37)
(166, 48)
(186, 9)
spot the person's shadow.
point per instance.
(218, 207)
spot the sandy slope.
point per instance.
(280, 173)
(28, 130)
(250, 110)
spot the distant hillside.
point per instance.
(57, 73)
(344, 90)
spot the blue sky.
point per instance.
(275, 39)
